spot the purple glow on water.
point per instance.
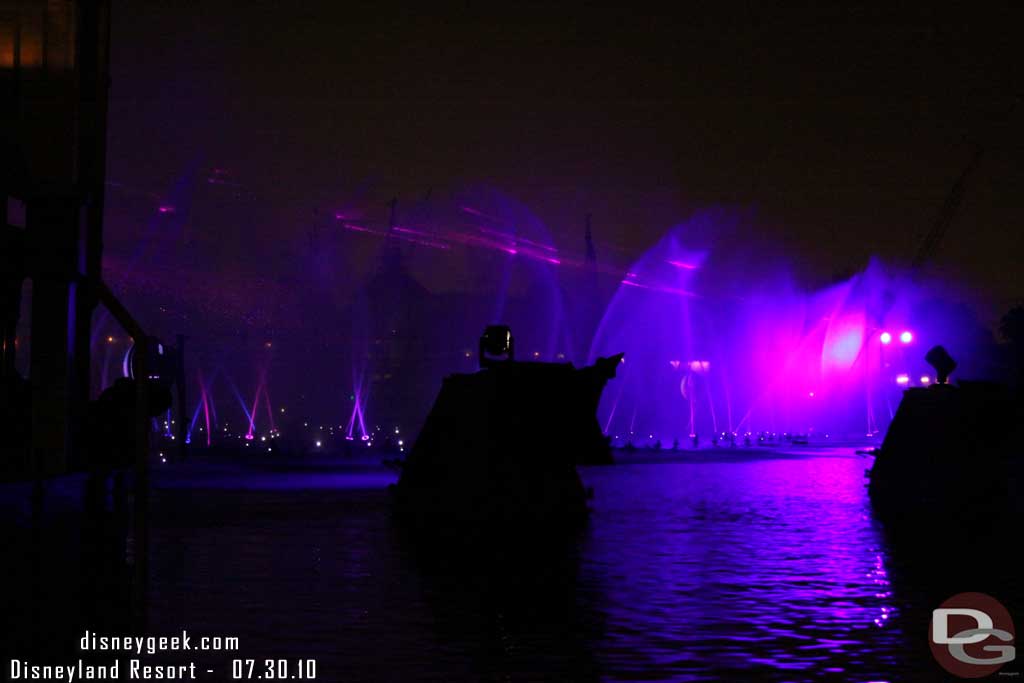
(732, 569)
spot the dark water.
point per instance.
(727, 569)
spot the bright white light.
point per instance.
(902, 379)
(318, 444)
(885, 338)
(906, 337)
(925, 379)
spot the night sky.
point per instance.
(843, 128)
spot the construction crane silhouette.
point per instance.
(930, 245)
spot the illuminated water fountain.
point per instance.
(719, 348)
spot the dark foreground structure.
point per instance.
(952, 453)
(499, 448)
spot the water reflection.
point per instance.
(771, 569)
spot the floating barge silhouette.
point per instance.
(950, 454)
(499, 448)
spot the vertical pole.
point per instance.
(52, 227)
(140, 525)
(92, 59)
(12, 273)
(179, 381)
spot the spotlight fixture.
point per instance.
(939, 358)
(496, 345)
(906, 337)
(885, 338)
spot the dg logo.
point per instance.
(971, 635)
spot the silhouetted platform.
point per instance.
(500, 446)
(950, 455)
